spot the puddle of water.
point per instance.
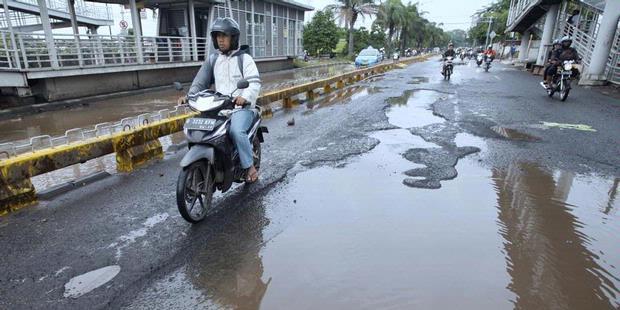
(89, 281)
(343, 96)
(513, 134)
(412, 109)
(518, 237)
(418, 80)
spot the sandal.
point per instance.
(251, 178)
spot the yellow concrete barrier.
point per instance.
(136, 147)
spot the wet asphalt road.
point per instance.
(401, 192)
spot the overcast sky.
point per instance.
(455, 14)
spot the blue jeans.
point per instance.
(240, 123)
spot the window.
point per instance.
(290, 46)
(259, 35)
(274, 36)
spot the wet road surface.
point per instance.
(400, 192)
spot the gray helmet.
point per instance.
(227, 26)
(556, 41)
(566, 39)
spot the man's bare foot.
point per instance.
(252, 175)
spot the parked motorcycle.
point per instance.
(212, 161)
(568, 71)
(448, 68)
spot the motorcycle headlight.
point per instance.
(568, 66)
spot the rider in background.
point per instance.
(556, 46)
(489, 52)
(448, 53)
(564, 53)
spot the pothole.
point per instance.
(514, 134)
(418, 80)
(413, 109)
(439, 165)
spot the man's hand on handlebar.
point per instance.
(240, 101)
(182, 100)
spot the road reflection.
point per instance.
(230, 269)
(548, 256)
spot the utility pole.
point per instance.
(486, 43)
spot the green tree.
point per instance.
(498, 11)
(377, 36)
(390, 16)
(349, 11)
(458, 37)
(321, 33)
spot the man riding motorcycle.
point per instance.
(448, 53)
(231, 64)
(564, 53)
(489, 52)
(556, 46)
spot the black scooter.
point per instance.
(212, 161)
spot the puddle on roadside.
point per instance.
(418, 80)
(413, 109)
(515, 237)
(342, 96)
(514, 134)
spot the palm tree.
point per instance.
(390, 15)
(349, 11)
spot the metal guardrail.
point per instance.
(82, 8)
(78, 51)
(134, 140)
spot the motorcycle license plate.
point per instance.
(200, 124)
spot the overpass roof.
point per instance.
(156, 3)
(596, 4)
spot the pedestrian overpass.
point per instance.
(595, 36)
(54, 66)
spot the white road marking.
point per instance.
(129, 238)
(89, 281)
(497, 77)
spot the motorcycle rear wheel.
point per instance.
(195, 187)
(256, 152)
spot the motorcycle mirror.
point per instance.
(243, 84)
(178, 86)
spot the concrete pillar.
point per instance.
(595, 73)
(525, 45)
(137, 30)
(7, 16)
(547, 37)
(253, 21)
(49, 37)
(76, 32)
(192, 29)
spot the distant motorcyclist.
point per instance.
(449, 52)
(489, 52)
(564, 53)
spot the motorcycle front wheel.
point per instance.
(195, 191)
(564, 93)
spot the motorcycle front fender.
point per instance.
(196, 153)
